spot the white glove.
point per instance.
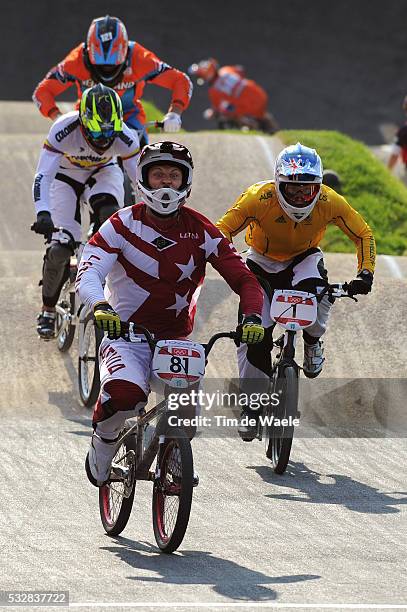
(172, 122)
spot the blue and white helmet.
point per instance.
(298, 178)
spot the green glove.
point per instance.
(107, 319)
(252, 329)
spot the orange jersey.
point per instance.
(143, 67)
(234, 96)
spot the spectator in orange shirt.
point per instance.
(108, 57)
(234, 99)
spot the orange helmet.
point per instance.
(107, 45)
(206, 70)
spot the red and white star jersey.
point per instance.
(154, 274)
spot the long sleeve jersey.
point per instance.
(143, 67)
(66, 149)
(154, 275)
(273, 234)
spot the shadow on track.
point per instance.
(343, 490)
(226, 577)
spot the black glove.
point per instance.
(362, 284)
(43, 224)
(107, 319)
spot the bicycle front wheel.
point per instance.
(116, 497)
(172, 493)
(278, 436)
(88, 364)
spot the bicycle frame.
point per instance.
(144, 459)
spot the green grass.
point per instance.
(367, 185)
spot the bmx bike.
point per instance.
(294, 311)
(179, 364)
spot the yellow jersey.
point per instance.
(273, 234)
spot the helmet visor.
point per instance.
(299, 195)
(102, 140)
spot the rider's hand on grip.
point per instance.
(107, 319)
(44, 224)
(362, 284)
(172, 122)
(252, 331)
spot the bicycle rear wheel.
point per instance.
(172, 493)
(88, 363)
(116, 497)
(64, 329)
(279, 438)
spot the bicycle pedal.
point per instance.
(118, 472)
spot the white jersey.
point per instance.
(67, 151)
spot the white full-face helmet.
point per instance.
(298, 177)
(164, 200)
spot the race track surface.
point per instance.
(332, 530)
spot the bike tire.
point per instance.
(114, 507)
(65, 332)
(89, 378)
(279, 439)
(175, 481)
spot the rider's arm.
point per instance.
(98, 258)
(47, 168)
(161, 74)
(223, 256)
(129, 149)
(241, 214)
(56, 81)
(355, 227)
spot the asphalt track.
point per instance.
(332, 531)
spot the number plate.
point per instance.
(293, 309)
(178, 363)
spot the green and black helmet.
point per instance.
(101, 115)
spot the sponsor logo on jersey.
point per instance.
(66, 131)
(37, 187)
(87, 161)
(323, 197)
(280, 220)
(126, 139)
(189, 235)
(266, 196)
(125, 85)
(162, 243)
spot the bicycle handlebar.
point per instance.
(59, 230)
(156, 124)
(130, 329)
(337, 290)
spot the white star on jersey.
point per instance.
(210, 245)
(180, 303)
(186, 269)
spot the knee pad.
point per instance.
(118, 396)
(58, 254)
(103, 205)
